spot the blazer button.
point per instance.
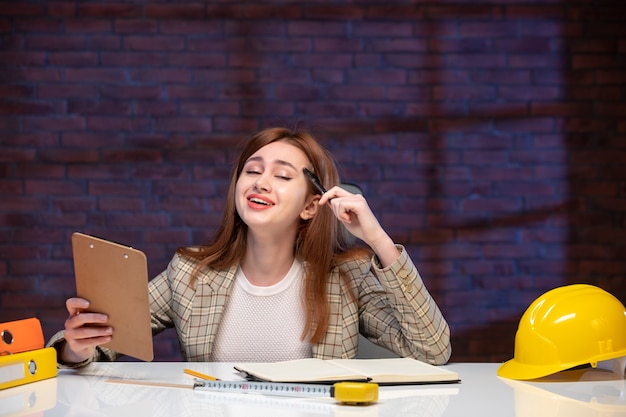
(403, 273)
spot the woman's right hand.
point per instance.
(83, 331)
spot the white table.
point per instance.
(481, 393)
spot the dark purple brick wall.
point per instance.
(489, 137)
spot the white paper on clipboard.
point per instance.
(114, 279)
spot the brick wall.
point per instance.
(487, 136)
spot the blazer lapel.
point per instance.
(211, 294)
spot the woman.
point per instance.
(279, 281)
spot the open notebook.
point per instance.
(382, 371)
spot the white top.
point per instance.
(269, 317)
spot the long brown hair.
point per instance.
(320, 243)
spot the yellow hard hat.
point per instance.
(566, 327)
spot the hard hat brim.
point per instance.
(513, 369)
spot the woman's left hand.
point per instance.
(355, 214)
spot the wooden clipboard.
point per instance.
(114, 279)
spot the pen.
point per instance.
(316, 181)
(200, 375)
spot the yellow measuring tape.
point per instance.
(355, 392)
(344, 392)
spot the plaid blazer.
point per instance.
(393, 309)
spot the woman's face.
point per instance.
(272, 190)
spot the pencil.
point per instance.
(200, 375)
